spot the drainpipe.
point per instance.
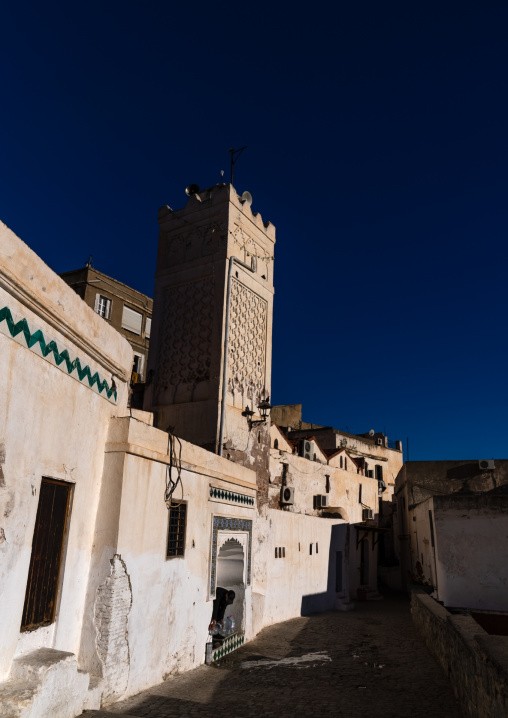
(232, 260)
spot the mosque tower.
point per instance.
(211, 339)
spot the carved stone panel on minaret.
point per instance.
(247, 343)
(185, 353)
(191, 243)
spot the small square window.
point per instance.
(176, 529)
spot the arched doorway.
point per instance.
(231, 575)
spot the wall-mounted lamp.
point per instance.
(264, 408)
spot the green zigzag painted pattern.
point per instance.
(230, 644)
(231, 496)
(51, 348)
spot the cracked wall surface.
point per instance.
(112, 607)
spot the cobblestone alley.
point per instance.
(357, 664)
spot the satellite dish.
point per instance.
(246, 197)
(371, 432)
(191, 190)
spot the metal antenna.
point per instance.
(235, 154)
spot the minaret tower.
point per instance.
(211, 342)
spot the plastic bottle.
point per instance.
(232, 624)
(227, 626)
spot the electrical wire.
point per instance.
(175, 462)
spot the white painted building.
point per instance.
(114, 533)
(451, 525)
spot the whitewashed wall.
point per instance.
(471, 543)
(51, 425)
(166, 626)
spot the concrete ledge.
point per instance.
(475, 662)
(131, 436)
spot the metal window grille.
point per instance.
(176, 531)
(47, 549)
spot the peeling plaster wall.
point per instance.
(308, 478)
(167, 624)
(112, 607)
(390, 459)
(46, 417)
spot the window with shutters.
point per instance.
(103, 306)
(46, 559)
(131, 320)
(176, 529)
(148, 327)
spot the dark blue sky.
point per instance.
(377, 139)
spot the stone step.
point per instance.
(44, 683)
(33, 666)
(16, 697)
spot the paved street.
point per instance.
(356, 664)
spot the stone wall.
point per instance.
(475, 662)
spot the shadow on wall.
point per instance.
(337, 582)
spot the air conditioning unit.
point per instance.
(322, 501)
(307, 449)
(287, 496)
(367, 514)
(486, 464)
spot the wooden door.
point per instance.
(47, 547)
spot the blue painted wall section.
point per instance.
(61, 358)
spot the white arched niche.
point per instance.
(232, 572)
